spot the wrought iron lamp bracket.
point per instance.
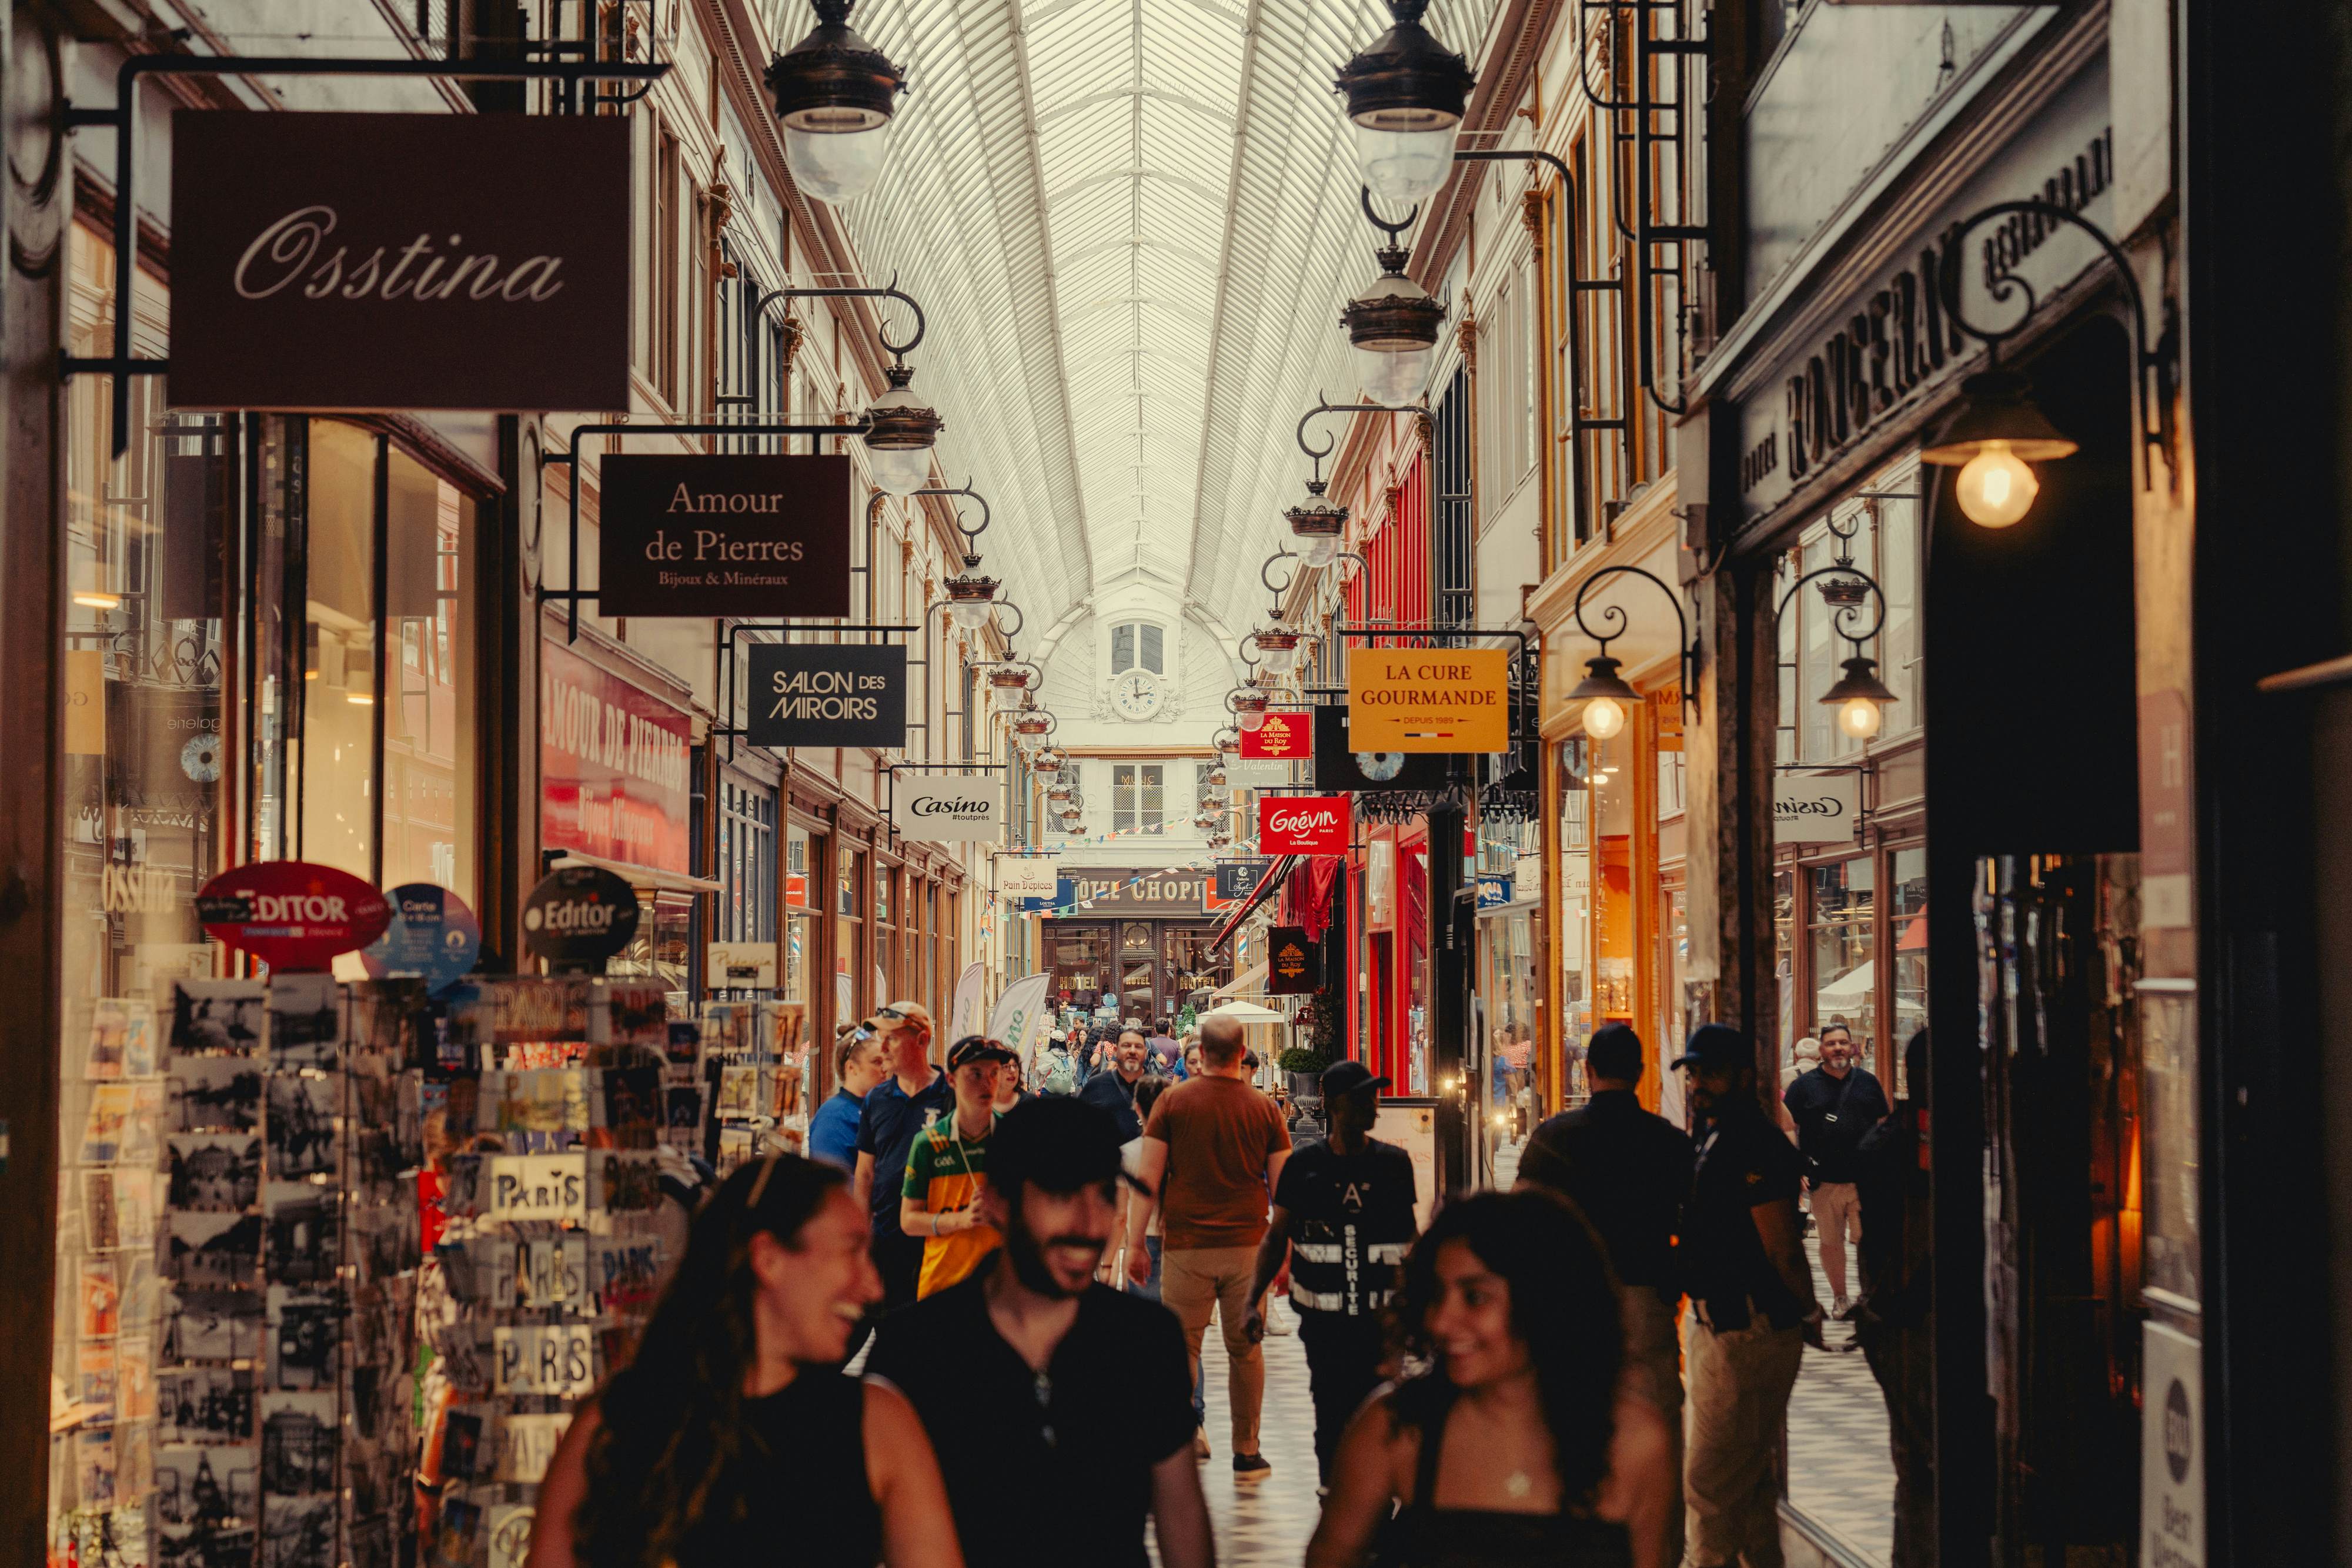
(899, 351)
(1845, 614)
(2152, 367)
(1323, 406)
(1613, 616)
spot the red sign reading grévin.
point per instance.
(293, 914)
(1283, 737)
(613, 764)
(1303, 824)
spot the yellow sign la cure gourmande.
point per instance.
(1428, 699)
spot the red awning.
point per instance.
(1265, 890)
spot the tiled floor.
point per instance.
(1840, 1474)
(1264, 1523)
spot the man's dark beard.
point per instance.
(1028, 1258)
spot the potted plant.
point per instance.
(1305, 1065)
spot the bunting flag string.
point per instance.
(987, 918)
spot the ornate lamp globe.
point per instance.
(1393, 328)
(835, 94)
(1278, 644)
(1317, 524)
(1033, 721)
(1249, 708)
(1861, 699)
(1216, 778)
(1049, 760)
(1007, 685)
(1405, 95)
(970, 596)
(1606, 698)
(901, 430)
(1059, 794)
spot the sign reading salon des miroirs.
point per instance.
(389, 261)
(806, 694)
(699, 536)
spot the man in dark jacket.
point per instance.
(1628, 1169)
(1833, 1105)
(1113, 1089)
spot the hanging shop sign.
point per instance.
(707, 535)
(613, 764)
(838, 694)
(579, 917)
(1493, 890)
(1816, 808)
(1236, 880)
(740, 965)
(1294, 966)
(1339, 767)
(291, 914)
(1256, 772)
(1119, 890)
(1282, 737)
(1304, 824)
(374, 261)
(432, 933)
(948, 808)
(1027, 877)
(1430, 699)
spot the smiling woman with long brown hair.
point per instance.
(1518, 1444)
(733, 1436)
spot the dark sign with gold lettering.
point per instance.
(388, 261)
(1294, 966)
(808, 693)
(705, 535)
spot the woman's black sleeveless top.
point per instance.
(1422, 1536)
(803, 1497)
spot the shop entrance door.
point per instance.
(1138, 971)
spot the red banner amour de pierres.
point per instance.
(1304, 824)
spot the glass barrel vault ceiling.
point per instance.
(1132, 222)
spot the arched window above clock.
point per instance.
(1139, 645)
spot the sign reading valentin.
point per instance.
(1304, 824)
(372, 261)
(948, 810)
(1428, 699)
(715, 534)
(827, 695)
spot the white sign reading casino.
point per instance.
(1809, 808)
(949, 808)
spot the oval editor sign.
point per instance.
(293, 914)
(579, 917)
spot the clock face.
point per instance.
(1135, 695)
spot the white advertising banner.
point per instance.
(1021, 1015)
(1256, 772)
(1027, 877)
(948, 808)
(963, 1018)
(1816, 808)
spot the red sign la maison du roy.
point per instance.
(1303, 824)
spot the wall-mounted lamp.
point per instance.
(1405, 96)
(1860, 697)
(1606, 695)
(834, 93)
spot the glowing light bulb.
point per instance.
(1996, 487)
(1603, 717)
(1860, 719)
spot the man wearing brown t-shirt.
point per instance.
(1221, 1145)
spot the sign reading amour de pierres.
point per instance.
(705, 535)
(387, 261)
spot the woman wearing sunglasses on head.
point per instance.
(734, 1433)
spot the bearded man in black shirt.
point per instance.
(1834, 1105)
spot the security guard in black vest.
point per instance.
(1344, 1213)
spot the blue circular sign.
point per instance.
(432, 933)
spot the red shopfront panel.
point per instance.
(1394, 584)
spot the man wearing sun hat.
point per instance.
(897, 1110)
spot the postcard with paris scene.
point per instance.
(214, 1093)
(306, 1022)
(214, 1173)
(209, 1015)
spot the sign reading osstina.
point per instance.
(808, 694)
(948, 810)
(716, 534)
(1304, 824)
(324, 261)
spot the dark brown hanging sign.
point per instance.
(388, 261)
(702, 536)
(1294, 966)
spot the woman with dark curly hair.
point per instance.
(1515, 1444)
(733, 1437)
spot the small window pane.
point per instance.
(1122, 649)
(1151, 646)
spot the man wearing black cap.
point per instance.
(1343, 1211)
(1029, 1368)
(1628, 1170)
(1752, 1305)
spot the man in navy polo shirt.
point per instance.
(896, 1111)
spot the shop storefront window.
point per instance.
(800, 920)
(1575, 913)
(746, 861)
(1843, 935)
(1081, 960)
(1906, 933)
(885, 933)
(850, 872)
(335, 742)
(430, 730)
(1673, 969)
(1138, 970)
(1613, 923)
